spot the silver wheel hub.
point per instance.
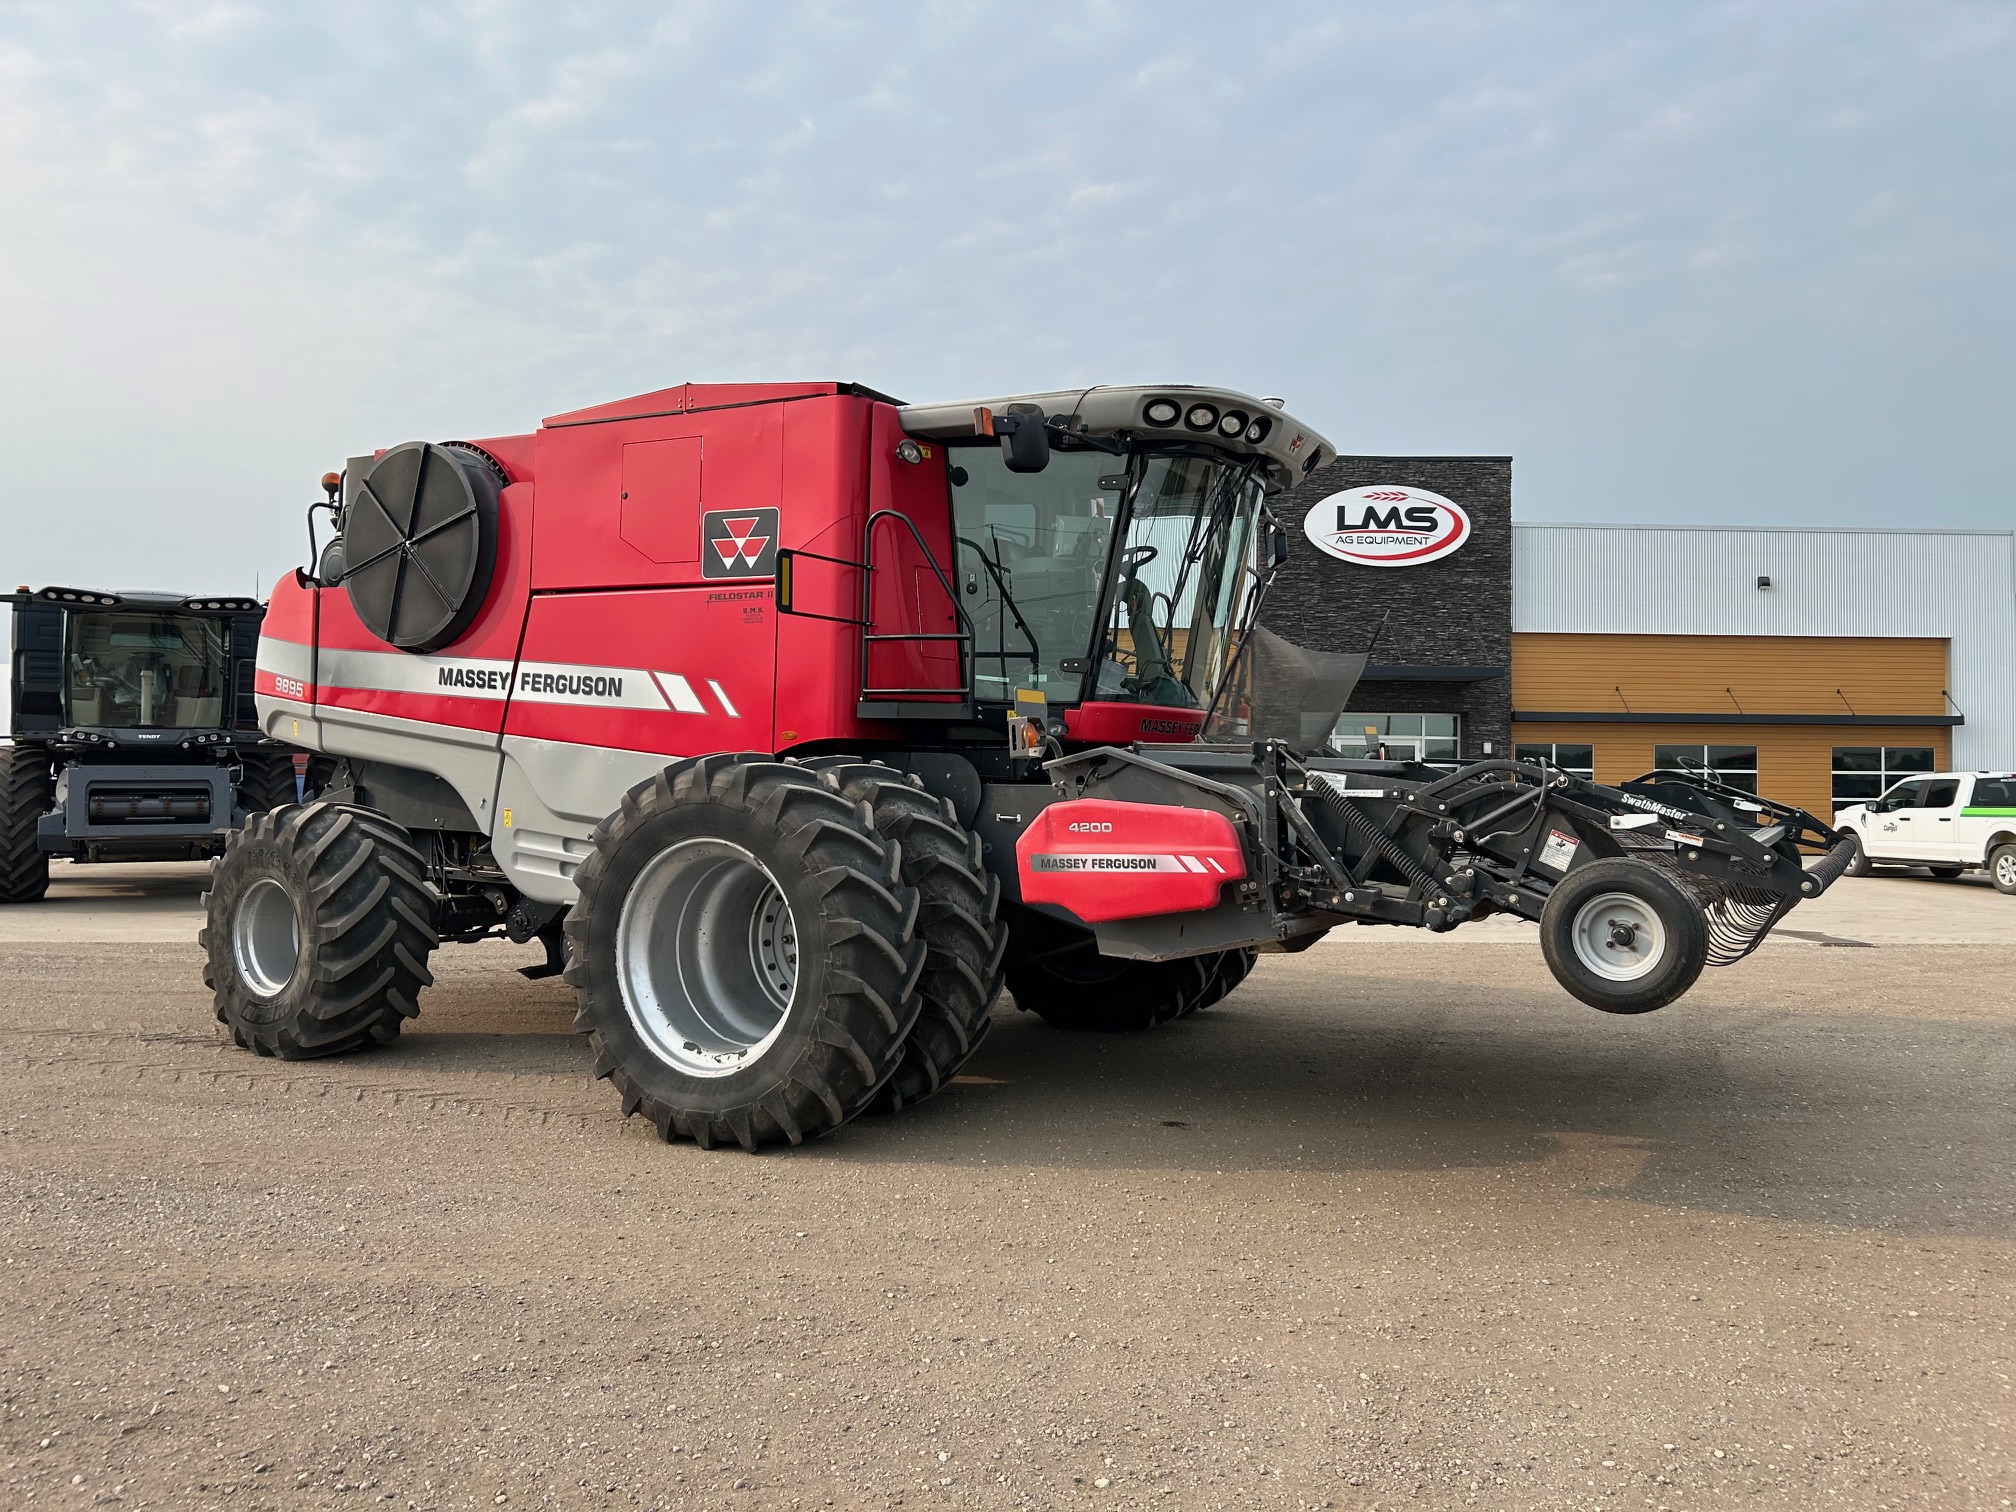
(2005, 870)
(266, 938)
(707, 957)
(1618, 936)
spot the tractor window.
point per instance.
(127, 670)
(1032, 560)
(1186, 576)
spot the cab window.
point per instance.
(1941, 794)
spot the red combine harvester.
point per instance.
(790, 718)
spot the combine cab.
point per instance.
(135, 733)
(792, 719)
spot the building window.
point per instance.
(1732, 765)
(1865, 772)
(1403, 737)
(1577, 760)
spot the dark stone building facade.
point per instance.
(1443, 630)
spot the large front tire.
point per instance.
(318, 925)
(744, 952)
(1623, 936)
(965, 942)
(27, 792)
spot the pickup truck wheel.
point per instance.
(744, 952)
(2002, 868)
(1623, 936)
(27, 792)
(318, 925)
(958, 905)
(1858, 866)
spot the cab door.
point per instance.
(1892, 822)
(1989, 810)
(1936, 821)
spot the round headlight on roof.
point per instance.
(1162, 412)
(1231, 423)
(1257, 431)
(1201, 417)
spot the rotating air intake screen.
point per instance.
(420, 542)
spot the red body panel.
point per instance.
(1125, 723)
(678, 670)
(609, 621)
(1106, 860)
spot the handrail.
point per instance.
(869, 639)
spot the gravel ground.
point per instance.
(1398, 1225)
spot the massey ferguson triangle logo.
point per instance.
(738, 543)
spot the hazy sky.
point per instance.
(1735, 263)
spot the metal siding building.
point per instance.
(1957, 586)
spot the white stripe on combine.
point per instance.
(726, 704)
(679, 693)
(1191, 863)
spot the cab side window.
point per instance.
(1940, 795)
(1991, 793)
(1905, 795)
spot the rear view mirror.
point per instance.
(1277, 546)
(1025, 444)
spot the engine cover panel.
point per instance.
(1103, 859)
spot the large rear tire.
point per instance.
(27, 792)
(267, 783)
(1081, 989)
(958, 902)
(744, 952)
(318, 928)
(1227, 971)
(1623, 936)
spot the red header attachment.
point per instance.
(1106, 860)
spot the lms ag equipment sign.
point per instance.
(1387, 526)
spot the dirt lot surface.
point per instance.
(1398, 1225)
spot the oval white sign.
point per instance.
(1387, 526)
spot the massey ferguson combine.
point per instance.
(791, 719)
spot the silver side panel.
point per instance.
(550, 797)
(466, 760)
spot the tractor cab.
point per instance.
(135, 733)
(1110, 546)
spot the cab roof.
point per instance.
(1224, 418)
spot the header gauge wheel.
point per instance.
(1623, 936)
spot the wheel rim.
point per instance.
(707, 956)
(2005, 870)
(266, 938)
(1618, 937)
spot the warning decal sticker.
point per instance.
(1558, 851)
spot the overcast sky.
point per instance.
(1739, 263)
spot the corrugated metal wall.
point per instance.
(1676, 580)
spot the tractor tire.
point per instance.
(744, 952)
(1859, 864)
(318, 928)
(1227, 971)
(1623, 936)
(268, 781)
(27, 792)
(2002, 868)
(1081, 989)
(958, 902)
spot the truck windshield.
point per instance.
(1034, 549)
(129, 670)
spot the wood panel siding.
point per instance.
(1716, 674)
(1795, 763)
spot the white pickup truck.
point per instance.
(1947, 822)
